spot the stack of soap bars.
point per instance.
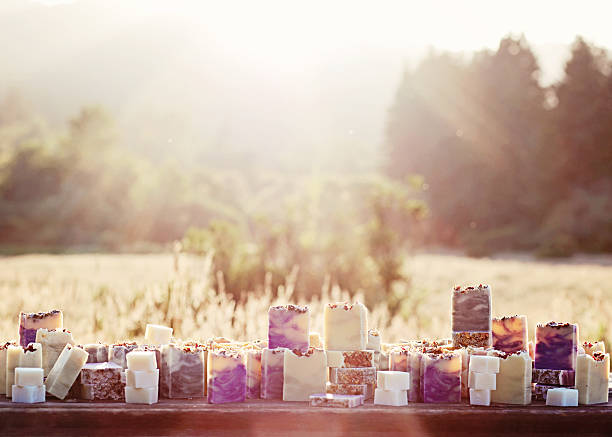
(482, 380)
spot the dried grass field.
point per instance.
(112, 297)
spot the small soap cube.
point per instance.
(141, 360)
(480, 397)
(288, 326)
(272, 364)
(395, 398)
(157, 335)
(336, 400)
(146, 395)
(484, 364)
(346, 326)
(562, 397)
(142, 378)
(28, 394)
(509, 334)
(363, 358)
(353, 375)
(556, 346)
(28, 376)
(393, 380)
(482, 381)
(304, 374)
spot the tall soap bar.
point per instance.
(3, 352)
(185, 371)
(272, 365)
(65, 371)
(29, 323)
(226, 376)
(53, 342)
(441, 378)
(304, 374)
(13, 358)
(254, 373)
(471, 316)
(288, 326)
(556, 346)
(592, 373)
(513, 382)
(346, 326)
(510, 333)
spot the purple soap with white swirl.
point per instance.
(510, 333)
(226, 376)
(272, 373)
(441, 378)
(288, 326)
(556, 346)
(29, 323)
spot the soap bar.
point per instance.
(393, 380)
(374, 341)
(513, 382)
(157, 335)
(562, 397)
(395, 398)
(383, 360)
(509, 334)
(148, 395)
(475, 339)
(254, 373)
(592, 378)
(590, 348)
(52, 342)
(65, 371)
(366, 390)
(441, 381)
(484, 364)
(32, 356)
(482, 381)
(272, 364)
(288, 326)
(480, 397)
(226, 376)
(314, 340)
(471, 309)
(29, 323)
(184, 370)
(539, 391)
(28, 394)
(141, 360)
(28, 376)
(336, 400)
(398, 359)
(118, 352)
(142, 378)
(98, 353)
(346, 326)
(3, 352)
(12, 360)
(556, 346)
(102, 381)
(304, 373)
(554, 377)
(350, 358)
(353, 375)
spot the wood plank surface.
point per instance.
(270, 418)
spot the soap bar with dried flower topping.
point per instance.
(441, 381)
(226, 376)
(398, 359)
(592, 373)
(350, 358)
(102, 381)
(52, 342)
(254, 373)
(590, 348)
(184, 370)
(272, 364)
(553, 377)
(513, 382)
(471, 309)
(65, 371)
(367, 390)
(118, 352)
(335, 400)
(304, 373)
(374, 341)
(509, 334)
(29, 323)
(288, 326)
(353, 375)
(346, 326)
(98, 352)
(556, 346)
(3, 352)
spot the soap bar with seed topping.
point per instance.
(226, 376)
(157, 335)
(304, 373)
(366, 390)
(3, 352)
(590, 348)
(553, 377)
(346, 326)
(471, 309)
(52, 342)
(473, 339)
(65, 371)
(98, 353)
(288, 326)
(103, 381)
(254, 373)
(509, 334)
(394, 398)
(272, 364)
(374, 341)
(336, 400)
(28, 376)
(118, 352)
(592, 374)
(350, 358)
(184, 371)
(393, 380)
(353, 375)
(513, 382)
(562, 397)
(556, 346)
(29, 323)
(28, 394)
(441, 381)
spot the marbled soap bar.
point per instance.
(513, 382)
(398, 359)
(556, 346)
(103, 381)
(554, 377)
(119, 351)
(272, 364)
(441, 377)
(65, 371)
(29, 323)
(98, 353)
(184, 370)
(366, 390)
(254, 373)
(157, 335)
(592, 374)
(471, 309)
(353, 375)
(304, 373)
(590, 348)
(288, 326)
(350, 358)
(3, 350)
(510, 333)
(414, 359)
(336, 400)
(346, 326)
(374, 341)
(226, 376)
(52, 342)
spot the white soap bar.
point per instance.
(513, 382)
(592, 373)
(346, 326)
(484, 364)
(393, 380)
(146, 395)
(562, 397)
(480, 397)
(12, 360)
(395, 398)
(141, 360)
(157, 335)
(29, 394)
(482, 381)
(28, 376)
(373, 340)
(142, 378)
(65, 371)
(304, 374)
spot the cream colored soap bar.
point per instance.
(304, 374)
(157, 335)
(146, 395)
(346, 326)
(141, 360)
(142, 378)
(513, 382)
(3, 352)
(17, 356)
(28, 376)
(592, 378)
(65, 371)
(52, 342)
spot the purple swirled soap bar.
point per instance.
(183, 371)
(288, 326)
(272, 368)
(556, 346)
(510, 333)
(254, 373)
(441, 378)
(29, 323)
(398, 359)
(226, 376)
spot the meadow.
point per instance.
(111, 297)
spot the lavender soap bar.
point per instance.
(226, 376)
(556, 346)
(29, 323)
(441, 378)
(288, 326)
(272, 369)
(184, 370)
(510, 333)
